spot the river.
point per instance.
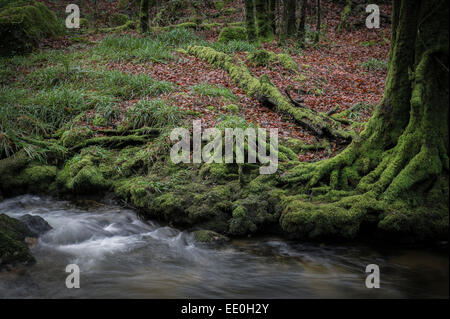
(122, 256)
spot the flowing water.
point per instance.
(121, 256)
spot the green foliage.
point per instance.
(219, 4)
(205, 89)
(374, 65)
(155, 114)
(232, 33)
(261, 57)
(178, 37)
(129, 48)
(128, 86)
(23, 24)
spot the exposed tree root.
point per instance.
(112, 141)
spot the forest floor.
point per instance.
(342, 70)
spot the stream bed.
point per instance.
(122, 256)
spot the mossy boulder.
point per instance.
(209, 237)
(13, 249)
(232, 33)
(23, 24)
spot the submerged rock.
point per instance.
(36, 224)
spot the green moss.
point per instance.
(84, 23)
(232, 33)
(261, 57)
(313, 220)
(208, 237)
(265, 58)
(13, 248)
(23, 24)
(219, 4)
(100, 121)
(75, 136)
(233, 108)
(85, 173)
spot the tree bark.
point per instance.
(317, 35)
(290, 7)
(273, 4)
(302, 23)
(250, 20)
(401, 158)
(144, 15)
(265, 32)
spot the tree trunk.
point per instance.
(144, 15)
(273, 4)
(301, 25)
(317, 35)
(400, 163)
(250, 20)
(290, 8)
(265, 32)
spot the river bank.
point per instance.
(122, 256)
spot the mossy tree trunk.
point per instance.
(289, 9)
(250, 20)
(265, 32)
(302, 24)
(402, 155)
(145, 4)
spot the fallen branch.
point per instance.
(317, 123)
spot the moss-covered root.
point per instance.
(401, 158)
(318, 123)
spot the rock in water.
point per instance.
(13, 249)
(209, 237)
(36, 224)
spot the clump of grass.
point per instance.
(233, 121)
(60, 75)
(205, 89)
(154, 113)
(178, 37)
(129, 86)
(25, 115)
(374, 65)
(106, 107)
(129, 48)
